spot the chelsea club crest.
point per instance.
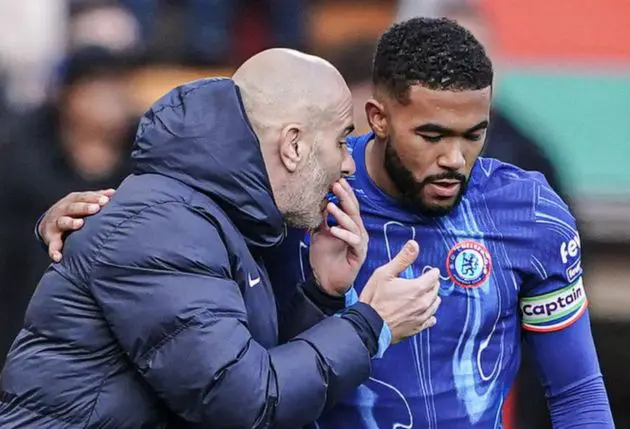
(469, 264)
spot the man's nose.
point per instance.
(452, 158)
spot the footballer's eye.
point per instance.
(431, 139)
(343, 143)
(474, 137)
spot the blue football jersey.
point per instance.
(509, 258)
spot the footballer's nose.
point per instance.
(452, 158)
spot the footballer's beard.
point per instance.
(411, 190)
(306, 194)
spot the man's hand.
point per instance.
(407, 306)
(67, 215)
(337, 253)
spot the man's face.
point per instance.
(432, 142)
(327, 161)
(100, 105)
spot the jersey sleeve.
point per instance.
(553, 296)
(555, 318)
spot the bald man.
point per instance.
(160, 313)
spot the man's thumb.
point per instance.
(404, 258)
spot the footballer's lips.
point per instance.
(445, 188)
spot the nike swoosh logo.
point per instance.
(253, 282)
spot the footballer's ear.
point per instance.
(375, 114)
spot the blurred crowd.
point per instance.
(67, 120)
(68, 111)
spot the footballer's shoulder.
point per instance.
(511, 186)
(491, 174)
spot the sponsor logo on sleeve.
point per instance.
(555, 310)
(574, 271)
(570, 249)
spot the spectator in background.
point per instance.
(209, 24)
(81, 140)
(31, 42)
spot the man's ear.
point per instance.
(292, 147)
(375, 114)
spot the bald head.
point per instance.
(301, 111)
(284, 85)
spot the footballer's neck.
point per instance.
(375, 166)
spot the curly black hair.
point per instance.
(435, 53)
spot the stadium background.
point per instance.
(563, 80)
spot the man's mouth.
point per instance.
(445, 188)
